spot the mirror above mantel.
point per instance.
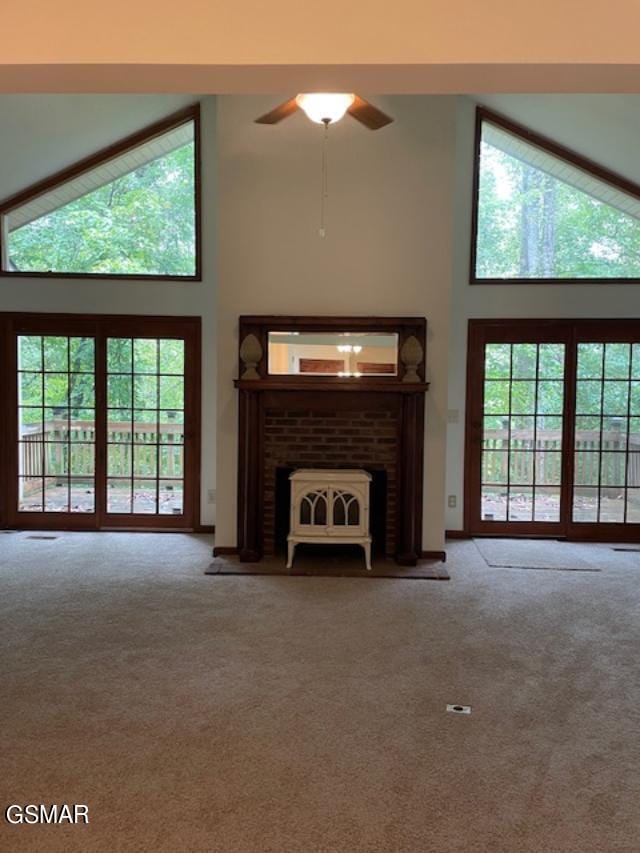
(336, 352)
(342, 354)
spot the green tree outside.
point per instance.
(531, 225)
(142, 223)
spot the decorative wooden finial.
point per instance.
(411, 356)
(251, 356)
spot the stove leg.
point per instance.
(367, 555)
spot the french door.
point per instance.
(101, 429)
(553, 429)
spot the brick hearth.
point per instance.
(317, 438)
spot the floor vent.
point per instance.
(459, 709)
(633, 550)
(41, 537)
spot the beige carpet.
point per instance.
(307, 715)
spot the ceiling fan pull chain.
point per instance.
(322, 231)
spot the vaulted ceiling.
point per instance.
(40, 134)
(604, 128)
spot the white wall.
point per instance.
(147, 297)
(387, 249)
(484, 301)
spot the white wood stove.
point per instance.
(329, 507)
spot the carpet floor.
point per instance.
(307, 714)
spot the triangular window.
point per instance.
(130, 210)
(544, 213)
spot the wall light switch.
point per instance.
(453, 416)
(211, 496)
(452, 501)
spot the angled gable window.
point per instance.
(131, 210)
(543, 213)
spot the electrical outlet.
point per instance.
(452, 501)
(211, 496)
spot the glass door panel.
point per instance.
(607, 433)
(56, 424)
(521, 454)
(145, 426)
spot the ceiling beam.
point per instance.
(273, 79)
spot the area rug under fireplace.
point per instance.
(323, 563)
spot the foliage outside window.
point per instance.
(541, 217)
(138, 219)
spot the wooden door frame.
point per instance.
(482, 332)
(101, 326)
(5, 355)
(567, 331)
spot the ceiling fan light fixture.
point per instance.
(325, 107)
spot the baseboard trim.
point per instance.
(457, 534)
(434, 555)
(223, 550)
(205, 528)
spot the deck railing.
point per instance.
(57, 447)
(543, 452)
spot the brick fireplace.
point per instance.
(323, 438)
(320, 421)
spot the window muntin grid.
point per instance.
(56, 423)
(607, 434)
(522, 432)
(145, 426)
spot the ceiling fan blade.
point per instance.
(367, 114)
(282, 111)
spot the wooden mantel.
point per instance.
(327, 383)
(260, 393)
